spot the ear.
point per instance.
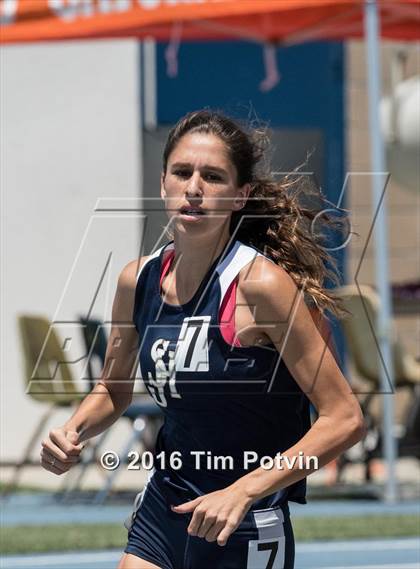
(162, 186)
(243, 193)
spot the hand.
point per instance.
(61, 450)
(216, 515)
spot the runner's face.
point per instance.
(201, 175)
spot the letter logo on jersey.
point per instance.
(191, 354)
(164, 372)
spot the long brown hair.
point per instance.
(287, 218)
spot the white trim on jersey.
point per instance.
(167, 247)
(230, 267)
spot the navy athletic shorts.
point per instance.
(263, 540)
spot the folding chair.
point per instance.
(48, 378)
(144, 415)
(361, 331)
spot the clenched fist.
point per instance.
(61, 450)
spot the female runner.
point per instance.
(229, 350)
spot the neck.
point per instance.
(194, 256)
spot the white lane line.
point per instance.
(368, 545)
(112, 556)
(61, 559)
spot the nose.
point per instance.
(194, 185)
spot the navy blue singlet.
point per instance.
(216, 398)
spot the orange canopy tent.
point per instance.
(284, 21)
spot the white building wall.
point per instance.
(70, 135)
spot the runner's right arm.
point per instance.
(112, 393)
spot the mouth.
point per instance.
(191, 212)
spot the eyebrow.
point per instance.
(205, 167)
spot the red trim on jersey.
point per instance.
(227, 315)
(227, 308)
(167, 260)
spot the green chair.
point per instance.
(48, 378)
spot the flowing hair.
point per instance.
(287, 217)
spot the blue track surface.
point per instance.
(360, 554)
(24, 509)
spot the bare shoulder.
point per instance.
(274, 297)
(262, 279)
(128, 277)
(126, 288)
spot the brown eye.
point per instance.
(182, 173)
(213, 177)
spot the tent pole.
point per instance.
(150, 86)
(379, 179)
